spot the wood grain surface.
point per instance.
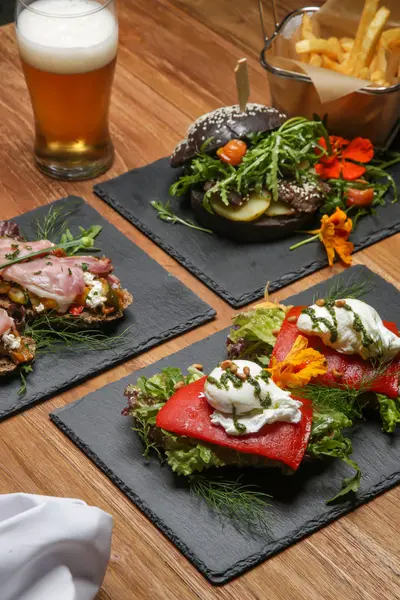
(176, 61)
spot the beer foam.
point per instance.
(57, 35)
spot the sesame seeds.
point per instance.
(224, 123)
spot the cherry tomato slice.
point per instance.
(76, 310)
(233, 152)
(356, 197)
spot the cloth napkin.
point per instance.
(52, 548)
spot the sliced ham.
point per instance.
(10, 247)
(97, 266)
(56, 278)
(6, 322)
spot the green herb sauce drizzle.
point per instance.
(238, 426)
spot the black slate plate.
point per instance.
(298, 508)
(237, 272)
(163, 308)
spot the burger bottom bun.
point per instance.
(265, 229)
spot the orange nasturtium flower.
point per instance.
(333, 233)
(299, 366)
(339, 163)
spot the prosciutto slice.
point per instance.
(6, 322)
(57, 278)
(12, 248)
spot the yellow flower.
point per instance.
(334, 234)
(299, 366)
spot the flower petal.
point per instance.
(352, 171)
(359, 149)
(344, 250)
(328, 169)
(300, 365)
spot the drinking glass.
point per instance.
(68, 51)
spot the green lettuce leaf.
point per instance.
(251, 336)
(185, 456)
(327, 439)
(257, 325)
(148, 396)
(389, 410)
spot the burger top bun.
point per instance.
(225, 124)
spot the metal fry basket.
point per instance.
(371, 112)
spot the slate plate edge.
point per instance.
(244, 299)
(206, 316)
(169, 334)
(221, 578)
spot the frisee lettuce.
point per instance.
(389, 409)
(251, 336)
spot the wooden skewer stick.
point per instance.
(242, 83)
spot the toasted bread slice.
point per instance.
(88, 318)
(8, 366)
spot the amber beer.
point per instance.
(68, 52)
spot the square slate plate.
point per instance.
(237, 272)
(298, 506)
(163, 308)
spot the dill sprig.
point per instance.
(355, 287)
(245, 505)
(166, 214)
(341, 399)
(54, 223)
(55, 333)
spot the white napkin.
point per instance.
(52, 548)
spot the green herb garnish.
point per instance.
(166, 214)
(23, 371)
(355, 287)
(245, 505)
(287, 152)
(54, 333)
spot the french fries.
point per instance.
(373, 53)
(320, 46)
(370, 41)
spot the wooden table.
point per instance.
(176, 62)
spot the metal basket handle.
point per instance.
(261, 11)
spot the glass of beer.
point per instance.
(68, 52)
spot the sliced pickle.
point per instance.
(279, 209)
(249, 211)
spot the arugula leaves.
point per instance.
(289, 151)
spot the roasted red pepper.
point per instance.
(76, 310)
(352, 368)
(187, 413)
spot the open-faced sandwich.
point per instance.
(15, 349)
(295, 379)
(250, 174)
(41, 279)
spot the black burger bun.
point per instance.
(223, 125)
(264, 229)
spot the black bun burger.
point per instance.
(250, 174)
